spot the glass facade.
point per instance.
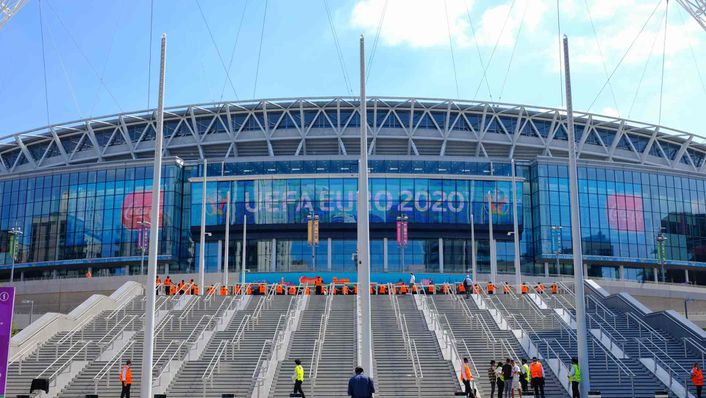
(93, 217)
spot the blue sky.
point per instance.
(97, 55)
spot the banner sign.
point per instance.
(402, 233)
(399, 233)
(625, 212)
(7, 306)
(137, 206)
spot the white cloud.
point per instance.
(423, 23)
(414, 23)
(608, 111)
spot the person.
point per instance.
(697, 378)
(500, 380)
(126, 380)
(524, 376)
(555, 288)
(516, 379)
(575, 377)
(319, 283)
(191, 287)
(298, 377)
(537, 375)
(180, 287)
(507, 377)
(167, 285)
(492, 378)
(491, 288)
(506, 288)
(466, 378)
(412, 280)
(360, 385)
(157, 283)
(88, 274)
(467, 286)
(525, 288)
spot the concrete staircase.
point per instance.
(394, 371)
(234, 368)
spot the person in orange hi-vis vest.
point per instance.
(476, 289)
(537, 374)
(126, 379)
(224, 291)
(524, 288)
(506, 288)
(540, 288)
(555, 288)
(491, 288)
(158, 282)
(195, 290)
(697, 378)
(168, 285)
(466, 378)
(210, 290)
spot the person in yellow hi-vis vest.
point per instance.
(575, 377)
(298, 378)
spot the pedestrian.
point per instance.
(537, 375)
(360, 385)
(516, 379)
(126, 380)
(524, 376)
(167, 285)
(575, 377)
(412, 281)
(466, 378)
(298, 377)
(500, 380)
(506, 288)
(158, 282)
(492, 378)
(467, 286)
(697, 378)
(507, 377)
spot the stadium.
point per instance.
(76, 196)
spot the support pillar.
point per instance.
(273, 256)
(655, 273)
(546, 269)
(384, 254)
(686, 275)
(621, 272)
(329, 259)
(441, 255)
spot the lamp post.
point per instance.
(143, 243)
(515, 231)
(242, 262)
(556, 232)
(402, 237)
(661, 239)
(31, 309)
(15, 234)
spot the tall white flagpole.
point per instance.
(227, 237)
(366, 342)
(148, 338)
(581, 330)
(202, 238)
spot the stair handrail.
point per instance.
(535, 308)
(614, 336)
(159, 303)
(560, 301)
(560, 348)
(416, 366)
(470, 358)
(258, 374)
(20, 356)
(210, 292)
(82, 347)
(606, 311)
(186, 311)
(119, 308)
(115, 331)
(642, 324)
(258, 309)
(172, 355)
(196, 332)
(69, 336)
(619, 363)
(162, 325)
(563, 286)
(114, 360)
(244, 325)
(511, 353)
(658, 358)
(697, 346)
(214, 365)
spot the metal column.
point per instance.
(581, 332)
(202, 237)
(515, 231)
(227, 237)
(148, 336)
(366, 340)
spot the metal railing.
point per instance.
(169, 354)
(162, 325)
(688, 341)
(319, 343)
(65, 360)
(614, 336)
(675, 371)
(214, 366)
(104, 372)
(19, 357)
(261, 365)
(244, 325)
(69, 336)
(600, 309)
(115, 332)
(652, 334)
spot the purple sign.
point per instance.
(7, 304)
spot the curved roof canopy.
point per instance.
(331, 126)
